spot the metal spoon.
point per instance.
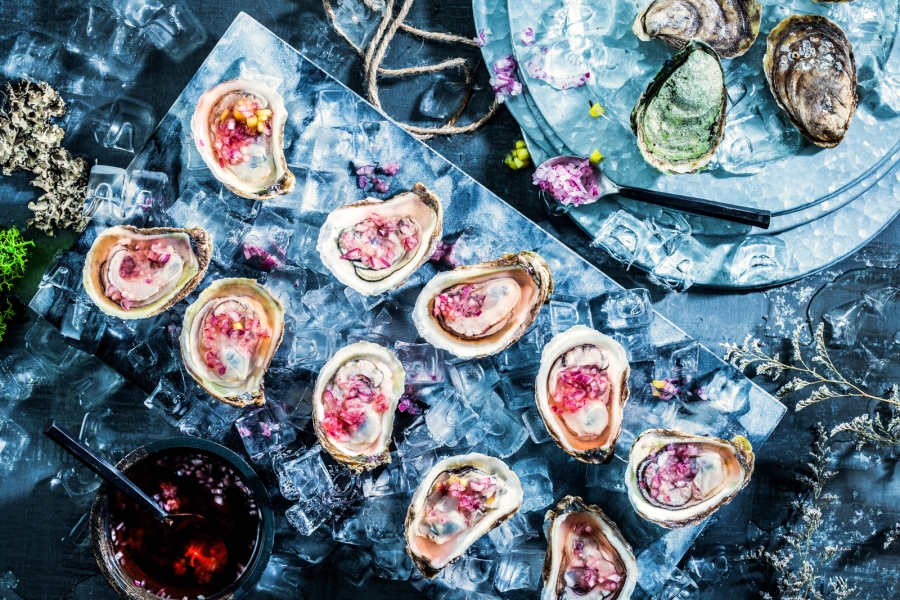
(185, 532)
(695, 206)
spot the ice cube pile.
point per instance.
(356, 522)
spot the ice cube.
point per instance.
(417, 440)
(177, 31)
(476, 244)
(443, 98)
(288, 284)
(136, 12)
(208, 418)
(423, 363)
(568, 311)
(125, 125)
(302, 250)
(333, 151)
(469, 573)
(26, 370)
(329, 308)
(282, 576)
(519, 569)
(106, 188)
(353, 563)
(610, 66)
(560, 260)
(304, 476)
(623, 309)
(759, 260)
(524, 356)
(535, 426)
(33, 56)
(45, 343)
(65, 273)
(266, 244)
(314, 346)
(308, 515)
(394, 322)
(449, 418)
(512, 533)
(536, 483)
(312, 548)
(686, 264)
(13, 441)
(83, 324)
(504, 431)
(262, 432)
(755, 137)
(384, 518)
(169, 402)
(608, 477)
(728, 391)
(197, 207)
(374, 143)
(473, 377)
(518, 391)
(351, 529)
(392, 561)
(92, 382)
(357, 21)
(78, 480)
(113, 47)
(678, 360)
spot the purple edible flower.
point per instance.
(381, 185)
(505, 83)
(362, 181)
(390, 168)
(528, 37)
(367, 170)
(481, 39)
(569, 182)
(407, 404)
(266, 260)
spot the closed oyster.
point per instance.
(729, 26)
(581, 391)
(374, 246)
(135, 273)
(676, 479)
(238, 128)
(459, 500)
(680, 119)
(480, 310)
(587, 556)
(229, 336)
(354, 400)
(812, 75)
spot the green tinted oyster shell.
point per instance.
(680, 119)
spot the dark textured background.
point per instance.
(34, 520)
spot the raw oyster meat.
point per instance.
(581, 391)
(135, 273)
(680, 119)
(729, 26)
(479, 310)
(229, 336)
(374, 245)
(676, 479)
(459, 500)
(354, 401)
(811, 72)
(587, 556)
(238, 128)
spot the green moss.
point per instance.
(5, 314)
(13, 257)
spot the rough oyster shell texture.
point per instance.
(244, 147)
(811, 71)
(119, 264)
(729, 26)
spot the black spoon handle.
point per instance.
(704, 208)
(76, 448)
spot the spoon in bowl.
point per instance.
(189, 535)
(695, 206)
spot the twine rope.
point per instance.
(372, 55)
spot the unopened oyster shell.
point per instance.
(587, 556)
(229, 336)
(439, 529)
(356, 395)
(374, 245)
(676, 479)
(135, 273)
(479, 310)
(581, 390)
(238, 128)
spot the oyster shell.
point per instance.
(680, 119)
(374, 245)
(811, 72)
(581, 391)
(238, 128)
(729, 26)
(479, 310)
(356, 395)
(438, 528)
(579, 534)
(135, 273)
(229, 336)
(676, 479)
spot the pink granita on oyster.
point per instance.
(505, 83)
(349, 401)
(234, 326)
(578, 385)
(679, 474)
(237, 129)
(379, 243)
(570, 181)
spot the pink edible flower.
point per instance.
(505, 82)
(362, 182)
(408, 405)
(569, 182)
(528, 37)
(381, 185)
(481, 39)
(390, 168)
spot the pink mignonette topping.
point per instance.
(378, 243)
(232, 329)
(568, 181)
(236, 129)
(139, 264)
(472, 496)
(460, 304)
(578, 385)
(591, 570)
(670, 481)
(347, 400)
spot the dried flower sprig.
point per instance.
(799, 563)
(873, 430)
(892, 536)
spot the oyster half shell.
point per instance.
(135, 273)
(479, 310)
(587, 556)
(581, 391)
(354, 401)
(729, 26)
(439, 529)
(811, 71)
(680, 119)
(229, 336)
(374, 245)
(676, 479)
(238, 128)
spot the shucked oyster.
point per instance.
(238, 127)
(135, 273)
(229, 336)
(677, 479)
(729, 26)
(480, 310)
(459, 500)
(581, 391)
(374, 246)
(812, 75)
(587, 556)
(680, 119)
(356, 394)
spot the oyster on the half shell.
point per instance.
(581, 391)
(676, 479)
(135, 273)
(460, 499)
(356, 395)
(587, 556)
(479, 310)
(229, 336)
(374, 245)
(238, 128)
